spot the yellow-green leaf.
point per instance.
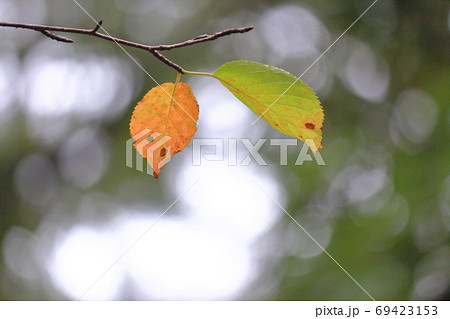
(285, 102)
(164, 122)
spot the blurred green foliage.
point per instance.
(380, 206)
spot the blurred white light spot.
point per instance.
(224, 116)
(428, 230)
(81, 256)
(9, 71)
(366, 185)
(62, 87)
(367, 74)
(36, 180)
(9, 68)
(227, 195)
(89, 87)
(83, 158)
(31, 10)
(415, 116)
(300, 244)
(18, 254)
(8, 10)
(49, 89)
(359, 184)
(431, 286)
(292, 31)
(48, 131)
(203, 255)
(181, 259)
(432, 274)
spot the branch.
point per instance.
(203, 38)
(56, 37)
(168, 62)
(49, 32)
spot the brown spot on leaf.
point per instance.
(309, 125)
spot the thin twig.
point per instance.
(167, 61)
(99, 24)
(56, 37)
(49, 32)
(203, 38)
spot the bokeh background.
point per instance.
(69, 206)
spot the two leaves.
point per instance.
(170, 111)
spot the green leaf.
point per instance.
(286, 103)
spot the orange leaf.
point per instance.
(164, 122)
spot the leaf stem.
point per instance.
(198, 73)
(178, 78)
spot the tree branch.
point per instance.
(167, 61)
(203, 38)
(153, 49)
(56, 37)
